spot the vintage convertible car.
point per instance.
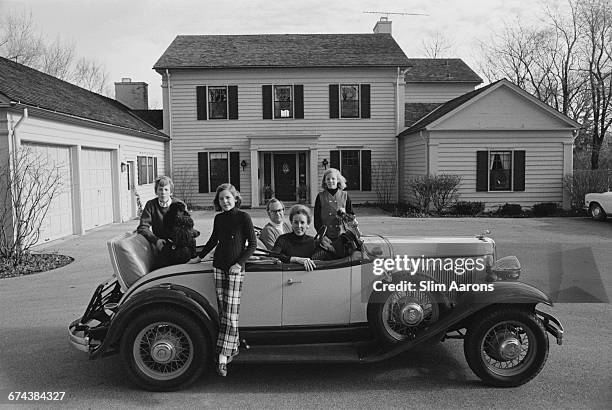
(385, 298)
(598, 205)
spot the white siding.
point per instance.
(543, 163)
(191, 135)
(435, 92)
(503, 108)
(413, 162)
(124, 148)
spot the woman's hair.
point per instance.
(341, 179)
(163, 181)
(233, 191)
(273, 201)
(300, 209)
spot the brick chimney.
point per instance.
(135, 95)
(383, 26)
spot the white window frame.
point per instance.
(360, 165)
(210, 158)
(490, 152)
(358, 85)
(208, 102)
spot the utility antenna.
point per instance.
(386, 14)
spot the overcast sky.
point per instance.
(128, 36)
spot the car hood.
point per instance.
(441, 246)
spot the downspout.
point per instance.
(397, 140)
(171, 165)
(15, 141)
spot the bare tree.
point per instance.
(22, 42)
(384, 181)
(566, 63)
(436, 46)
(30, 182)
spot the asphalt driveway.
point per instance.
(570, 258)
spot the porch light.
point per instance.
(325, 162)
(243, 164)
(123, 167)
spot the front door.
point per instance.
(284, 177)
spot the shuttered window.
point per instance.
(282, 101)
(355, 166)
(216, 168)
(217, 102)
(349, 101)
(500, 171)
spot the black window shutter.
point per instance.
(482, 171)
(232, 99)
(235, 169)
(298, 101)
(334, 110)
(365, 100)
(519, 170)
(203, 172)
(366, 170)
(142, 179)
(201, 101)
(154, 167)
(334, 159)
(266, 101)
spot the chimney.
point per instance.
(134, 95)
(383, 26)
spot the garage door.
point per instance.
(58, 221)
(97, 187)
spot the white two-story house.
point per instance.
(270, 113)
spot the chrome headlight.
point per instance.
(506, 268)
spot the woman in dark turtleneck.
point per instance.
(297, 246)
(332, 199)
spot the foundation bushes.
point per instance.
(545, 209)
(468, 208)
(510, 210)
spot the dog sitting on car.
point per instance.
(181, 245)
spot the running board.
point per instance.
(305, 353)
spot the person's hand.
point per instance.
(235, 269)
(197, 259)
(160, 244)
(327, 245)
(307, 262)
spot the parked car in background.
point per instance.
(598, 205)
(388, 296)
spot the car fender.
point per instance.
(162, 294)
(469, 304)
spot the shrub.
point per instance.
(545, 208)
(510, 209)
(437, 190)
(470, 208)
(445, 193)
(584, 181)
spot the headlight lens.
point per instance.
(506, 268)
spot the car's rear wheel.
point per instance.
(507, 347)
(164, 349)
(597, 212)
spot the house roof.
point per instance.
(415, 111)
(282, 50)
(153, 117)
(455, 103)
(34, 88)
(422, 70)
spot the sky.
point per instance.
(128, 37)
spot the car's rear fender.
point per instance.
(165, 294)
(469, 306)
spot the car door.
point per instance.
(319, 297)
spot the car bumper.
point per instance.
(77, 336)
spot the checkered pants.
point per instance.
(228, 289)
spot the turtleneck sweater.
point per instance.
(289, 244)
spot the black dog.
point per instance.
(181, 236)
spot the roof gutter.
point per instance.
(15, 141)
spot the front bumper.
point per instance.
(77, 336)
(552, 325)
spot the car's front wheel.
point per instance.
(507, 347)
(164, 349)
(597, 212)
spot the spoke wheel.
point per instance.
(164, 349)
(401, 316)
(506, 348)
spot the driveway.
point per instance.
(568, 257)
